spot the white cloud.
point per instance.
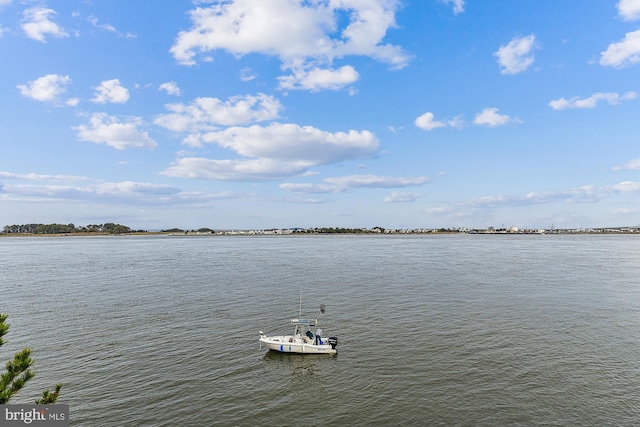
(630, 165)
(490, 117)
(375, 181)
(427, 121)
(171, 88)
(247, 74)
(627, 211)
(306, 144)
(110, 193)
(623, 53)
(47, 88)
(305, 36)
(341, 184)
(458, 6)
(516, 56)
(455, 122)
(402, 197)
(318, 79)
(583, 194)
(137, 188)
(629, 10)
(311, 188)
(275, 151)
(105, 129)
(623, 187)
(110, 91)
(36, 24)
(209, 113)
(107, 27)
(252, 170)
(612, 98)
(42, 177)
(93, 20)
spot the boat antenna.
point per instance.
(300, 309)
(322, 308)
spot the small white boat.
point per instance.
(303, 340)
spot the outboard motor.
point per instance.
(333, 341)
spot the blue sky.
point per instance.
(330, 113)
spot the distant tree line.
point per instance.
(339, 230)
(108, 228)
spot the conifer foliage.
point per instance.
(18, 371)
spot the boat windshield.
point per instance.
(303, 322)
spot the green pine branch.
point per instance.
(17, 372)
(48, 397)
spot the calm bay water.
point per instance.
(433, 330)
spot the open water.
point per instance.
(473, 330)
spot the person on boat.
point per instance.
(318, 336)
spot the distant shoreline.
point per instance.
(260, 233)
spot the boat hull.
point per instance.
(291, 344)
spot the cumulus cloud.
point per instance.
(612, 98)
(293, 142)
(623, 53)
(341, 184)
(490, 117)
(305, 36)
(36, 24)
(110, 91)
(303, 146)
(105, 129)
(629, 10)
(318, 79)
(515, 57)
(427, 121)
(205, 114)
(170, 87)
(458, 6)
(275, 151)
(47, 88)
(630, 165)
